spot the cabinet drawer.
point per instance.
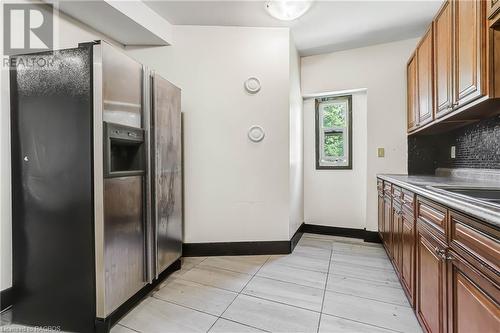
(387, 189)
(396, 193)
(433, 214)
(408, 202)
(380, 186)
(476, 239)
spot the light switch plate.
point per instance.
(380, 152)
(453, 152)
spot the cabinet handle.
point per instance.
(440, 252)
(447, 257)
(443, 254)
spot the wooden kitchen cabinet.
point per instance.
(388, 225)
(469, 22)
(412, 97)
(425, 79)
(458, 59)
(472, 298)
(407, 272)
(380, 191)
(397, 219)
(493, 8)
(443, 44)
(448, 263)
(431, 281)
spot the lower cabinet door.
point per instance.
(381, 216)
(388, 226)
(396, 238)
(431, 283)
(408, 257)
(472, 299)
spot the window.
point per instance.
(334, 132)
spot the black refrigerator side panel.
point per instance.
(52, 190)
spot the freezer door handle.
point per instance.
(148, 268)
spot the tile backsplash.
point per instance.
(477, 146)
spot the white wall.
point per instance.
(235, 190)
(336, 197)
(381, 69)
(296, 176)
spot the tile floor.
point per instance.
(328, 284)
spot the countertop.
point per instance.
(422, 185)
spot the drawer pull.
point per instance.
(443, 254)
(439, 252)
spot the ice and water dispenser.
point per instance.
(123, 151)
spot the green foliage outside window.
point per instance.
(334, 115)
(334, 145)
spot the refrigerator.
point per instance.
(96, 185)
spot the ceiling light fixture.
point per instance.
(288, 10)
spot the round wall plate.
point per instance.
(252, 85)
(256, 133)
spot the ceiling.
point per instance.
(328, 26)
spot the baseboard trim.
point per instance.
(296, 237)
(372, 237)
(6, 298)
(367, 236)
(105, 325)
(241, 248)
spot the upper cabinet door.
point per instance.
(443, 38)
(470, 52)
(425, 79)
(412, 98)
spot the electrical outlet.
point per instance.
(453, 152)
(380, 152)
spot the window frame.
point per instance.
(319, 128)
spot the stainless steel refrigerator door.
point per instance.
(122, 88)
(118, 202)
(167, 175)
(123, 239)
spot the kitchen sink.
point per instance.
(488, 194)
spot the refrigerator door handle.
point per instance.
(149, 218)
(154, 161)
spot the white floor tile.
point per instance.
(293, 275)
(359, 259)
(227, 326)
(314, 252)
(298, 261)
(367, 289)
(219, 278)
(399, 318)
(284, 292)
(196, 296)
(241, 264)
(314, 242)
(318, 236)
(385, 276)
(271, 316)
(156, 316)
(354, 249)
(121, 329)
(331, 324)
(190, 262)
